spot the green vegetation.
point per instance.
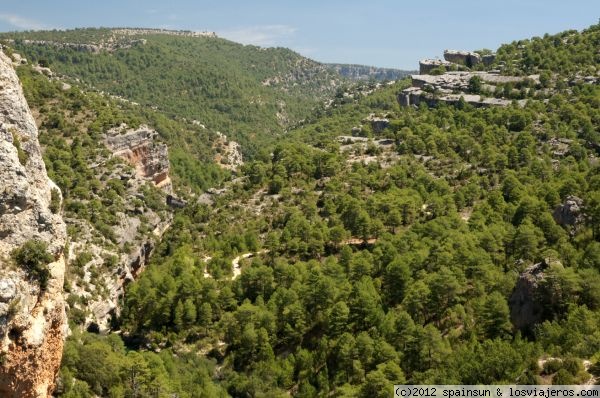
(105, 368)
(475, 85)
(73, 121)
(34, 258)
(20, 152)
(54, 200)
(384, 257)
(566, 53)
(247, 92)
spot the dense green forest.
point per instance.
(346, 258)
(249, 93)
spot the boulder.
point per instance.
(569, 213)
(488, 59)
(378, 124)
(525, 307)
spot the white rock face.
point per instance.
(230, 156)
(32, 320)
(141, 148)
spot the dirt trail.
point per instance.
(235, 264)
(236, 268)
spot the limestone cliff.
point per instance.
(143, 151)
(32, 319)
(106, 266)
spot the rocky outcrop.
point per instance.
(94, 48)
(378, 124)
(102, 285)
(142, 149)
(570, 213)
(427, 65)
(101, 282)
(466, 58)
(106, 266)
(525, 307)
(18, 59)
(117, 39)
(460, 80)
(32, 318)
(415, 96)
(229, 153)
(175, 203)
(450, 87)
(488, 59)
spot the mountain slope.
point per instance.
(248, 92)
(373, 244)
(405, 250)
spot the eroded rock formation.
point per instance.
(141, 148)
(525, 307)
(427, 65)
(451, 86)
(570, 213)
(32, 318)
(107, 266)
(466, 58)
(378, 123)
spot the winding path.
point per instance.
(236, 268)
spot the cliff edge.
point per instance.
(32, 314)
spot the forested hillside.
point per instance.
(247, 92)
(372, 245)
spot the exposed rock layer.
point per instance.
(466, 58)
(450, 87)
(142, 150)
(32, 320)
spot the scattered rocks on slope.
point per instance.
(229, 153)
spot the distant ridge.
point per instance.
(156, 31)
(365, 72)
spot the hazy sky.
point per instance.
(375, 32)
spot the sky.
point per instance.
(385, 33)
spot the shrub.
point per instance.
(563, 377)
(82, 259)
(20, 152)
(552, 366)
(34, 258)
(572, 365)
(54, 201)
